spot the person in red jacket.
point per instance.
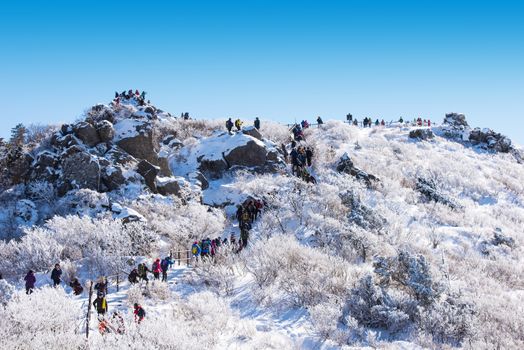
(139, 313)
(157, 268)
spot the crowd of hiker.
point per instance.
(159, 267)
(238, 124)
(139, 97)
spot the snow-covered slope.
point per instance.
(407, 243)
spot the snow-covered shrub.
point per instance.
(158, 291)
(409, 272)
(325, 318)
(135, 294)
(450, 320)
(47, 319)
(218, 275)
(182, 224)
(6, 291)
(373, 306)
(304, 276)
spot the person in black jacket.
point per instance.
(56, 274)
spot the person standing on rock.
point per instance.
(229, 125)
(257, 123)
(238, 124)
(56, 274)
(30, 281)
(319, 121)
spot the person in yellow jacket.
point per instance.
(238, 124)
(100, 304)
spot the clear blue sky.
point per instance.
(273, 59)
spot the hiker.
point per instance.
(56, 274)
(377, 123)
(294, 160)
(139, 313)
(101, 285)
(355, 122)
(429, 123)
(382, 122)
(195, 250)
(142, 272)
(166, 262)
(213, 247)
(258, 206)
(133, 276)
(232, 239)
(309, 155)
(229, 125)
(319, 121)
(100, 304)
(284, 151)
(143, 95)
(30, 281)
(156, 268)
(238, 124)
(349, 118)
(246, 216)
(77, 287)
(244, 233)
(401, 120)
(206, 247)
(365, 122)
(239, 213)
(257, 123)
(186, 116)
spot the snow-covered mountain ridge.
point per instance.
(410, 238)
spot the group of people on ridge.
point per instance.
(140, 97)
(159, 266)
(238, 124)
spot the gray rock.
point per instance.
(345, 165)
(212, 168)
(163, 163)
(80, 169)
(105, 130)
(149, 173)
(421, 134)
(252, 131)
(119, 156)
(47, 159)
(66, 129)
(168, 187)
(64, 141)
(492, 139)
(141, 145)
(198, 176)
(87, 133)
(456, 120)
(250, 155)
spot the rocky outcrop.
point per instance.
(421, 134)
(149, 173)
(79, 170)
(136, 137)
(491, 139)
(87, 133)
(212, 168)
(252, 131)
(168, 186)
(457, 120)
(200, 179)
(252, 154)
(105, 130)
(345, 165)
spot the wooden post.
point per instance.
(88, 317)
(178, 254)
(187, 257)
(118, 283)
